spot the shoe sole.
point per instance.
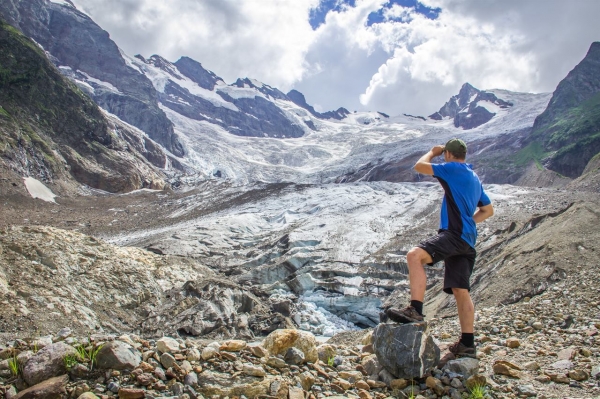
(399, 317)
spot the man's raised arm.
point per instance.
(423, 165)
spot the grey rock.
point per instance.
(562, 365)
(191, 379)
(596, 372)
(167, 345)
(160, 374)
(113, 387)
(119, 356)
(167, 360)
(192, 392)
(11, 392)
(526, 390)
(406, 351)
(63, 334)
(386, 376)
(466, 367)
(294, 356)
(47, 363)
(177, 389)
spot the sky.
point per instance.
(397, 56)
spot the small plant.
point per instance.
(89, 354)
(70, 361)
(14, 366)
(477, 391)
(331, 361)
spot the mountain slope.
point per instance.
(75, 41)
(51, 130)
(566, 136)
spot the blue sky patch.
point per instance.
(317, 15)
(378, 17)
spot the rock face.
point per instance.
(564, 137)
(213, 307)
(405, 351)
(88, 284)
(74, 40)
(47, 363)
(464, 108)
(61, 133)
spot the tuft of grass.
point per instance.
(477, 392)
(330, 361)
(70, 361)
(88, 354)
(14, 366)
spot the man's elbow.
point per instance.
(421, 167)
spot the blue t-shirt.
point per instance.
(463, 194)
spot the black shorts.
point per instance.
(458, 257)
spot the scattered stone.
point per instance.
(398, 383)
(47, 363)
(295, 393)
(235, 345)
(52, 388)
(531, 366)
(258, 351)
(279, 341)
(276, 362)
(465, 366)
(435, 385)
(513, 343)
(167, 360)
(256, 371)
(503, 367)
(294, 356)
(193, 355)
(526, 390)
(326, 352)
(87, 395)
(167, 345)
(118, 355)
(132, 393)
(191, 379)
(578, 375)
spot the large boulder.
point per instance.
(119, 356)
(47, 363)
(53, 388)
(279, 341)
(405, 350)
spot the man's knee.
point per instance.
(417, 256)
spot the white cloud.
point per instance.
(262, 39)
(412, 66)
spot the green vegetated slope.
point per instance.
(566, 136)
(50, 129)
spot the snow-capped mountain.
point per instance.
(248, 130)
(471, 107)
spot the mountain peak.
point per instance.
(197, 73)
(469, 107)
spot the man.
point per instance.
(465, 204)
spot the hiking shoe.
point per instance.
(459, 349)
(406, 315)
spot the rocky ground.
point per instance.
(536, 292)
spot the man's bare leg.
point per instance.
(466, 310)
(416, 258)
(417, 278)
